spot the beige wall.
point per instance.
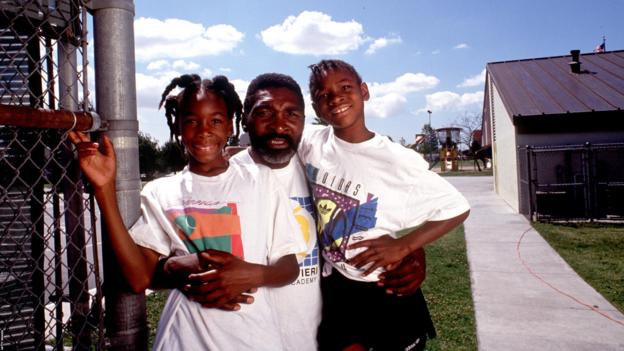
(503, 150)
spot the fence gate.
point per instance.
(50, 289)
(572, 182)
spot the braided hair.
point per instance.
(192, 84)
(320, 70)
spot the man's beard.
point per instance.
(272, 156)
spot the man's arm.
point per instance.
(232, 276)
(218, 279)
(407, 278)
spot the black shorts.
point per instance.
(362, 312)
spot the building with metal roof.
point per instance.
(570, 101)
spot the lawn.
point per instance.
(155, 303)
(594, 251)
(447, 290)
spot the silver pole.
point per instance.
(73, 200)
(113, 25)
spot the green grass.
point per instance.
(594, 251)
(155, 303)
(448, 293)
(447, 290)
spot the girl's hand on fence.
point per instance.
(97, 163)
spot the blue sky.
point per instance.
(414, 54)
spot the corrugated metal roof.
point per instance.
(547, 86)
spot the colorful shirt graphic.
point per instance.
(339, 216)
(209, 228)
(306, 204)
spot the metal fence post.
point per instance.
(74, 208)
(113, 24)
(590, 185)
(532, 207)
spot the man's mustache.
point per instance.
(268, 137)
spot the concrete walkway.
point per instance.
(526, 297)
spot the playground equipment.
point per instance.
(449, 138)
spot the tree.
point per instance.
(430, 145)
(468, 123)
(171, 157)
(148, 154)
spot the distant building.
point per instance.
(573, 101)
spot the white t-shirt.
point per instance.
(242, 211)
(365, 190)
(298, 305)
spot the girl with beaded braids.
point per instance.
(232, 222)
(190, 82)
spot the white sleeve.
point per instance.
(309, 139)
(147, 231)
(432, 198)
(287, 237)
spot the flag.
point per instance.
(600, 48)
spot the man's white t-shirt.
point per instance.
(242, 211)
(365, 190)
(298, 305)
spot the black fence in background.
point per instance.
(572, 182)
(50, 275)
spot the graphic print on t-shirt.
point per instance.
(209, 228)
(338, 214)
(309, 265)
(303, 214)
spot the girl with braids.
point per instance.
(234, 220)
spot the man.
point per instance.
(274, 118)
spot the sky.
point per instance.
(415, 55)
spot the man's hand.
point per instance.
(383, 252)
(407, 278)
(178, 269)
(225, 284)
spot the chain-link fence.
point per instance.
(50, 285)
(572, 182)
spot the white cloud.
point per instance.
(382, 43)
(435, 52)
(386, 105)
(185, 65)
(225, 69)
(450, 101)
(476, 80)
(313, 33)
(461, 46)
(150, 87)
(176, 38)
(240, 86)
(157, 65)
(164, 65)
(406, 83)
(206, 73)
(388, 99)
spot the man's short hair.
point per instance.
(270, 80)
